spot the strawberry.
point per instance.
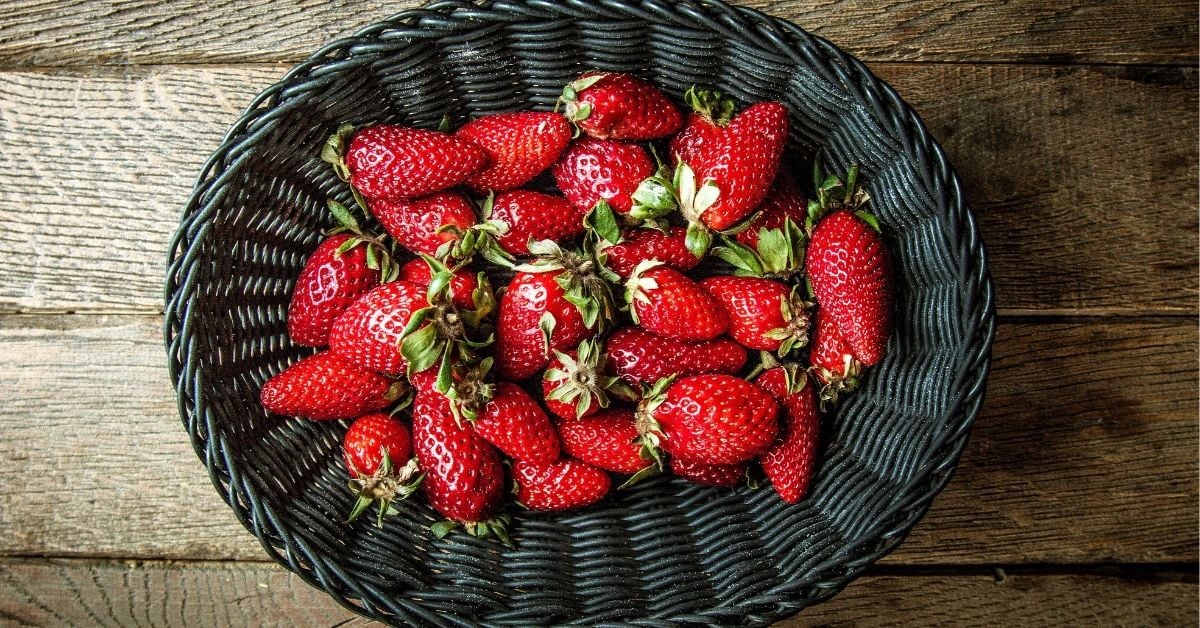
(715, 419)
(368, 333)
(850, 273)
(764, 314)
(725, 475)
(462, 286)
(549, 305)
(528, 215)
(698, 129)
(640, 357)
(664, 301)
(833, 362)
(369, 448)
(391, 162)
(563, 485)
(784, 201)
(612, 105)
(789, 462)
(424, 225)
(591, 171)
(332, 278)
(517, 425)
(464, 479)
(576, 384)
(518, 145)
(324, 386)
(639, 245)
(606, 439)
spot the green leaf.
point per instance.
(372, 257)
(417, 345)
(583, 83)
(444, 125)
(569, 93)
(851, 182)
(443, 528)
(415, 321)
(360, 506)
(870, 219)
(445, 377)
(546, 324)
(346, 246)
(698, 239)
(603, 221)
(774, 250)
(343, 216)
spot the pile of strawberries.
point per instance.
(636, 292)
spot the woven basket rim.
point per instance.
(767, 32)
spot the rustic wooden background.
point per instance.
(1072, 122)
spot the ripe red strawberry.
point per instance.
(576, 384)
(640, 357)
(536, 316)
(368, 332)
(716, 419)
(462, 287)
(324, 386)
(639, 245)
(391, 162)
(833, 362)
(515, 423)
(563, 485)
(606, 439)
(464, 479)
(369, 438)
(611, 105)
(784, 201)
(519, 146)
(763, 313)
(424, 381)
(698, 130)
(664, 301)
(789, 462)
(535, 216)
(850, 272)
(594, 170)
(327, 285)
(726, 475)
(417, 224)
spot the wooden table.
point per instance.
(1073, 124)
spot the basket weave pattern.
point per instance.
(665, 552)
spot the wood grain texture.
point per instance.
(1083, 178)
(73, 592)
(1084, 425)
(58, 32)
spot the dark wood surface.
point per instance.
(1073, 125)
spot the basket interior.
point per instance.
(665, 549)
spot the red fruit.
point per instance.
(416, 223)
(563, 485)
(850, 272)
(368, 332)
(534, 216)
(424, 381)
(832, 361)
(716, 419)
(741, 161)
(594, 170)
(619, 106)
(784, 201)
(324, 386)
(390, 162)
(576, 384)
(464, 479)
(462, 286)
(639, 245)
(789, 462)
(368, 438)
(606, 439)
(517, 425)
(698, 130)
(664, 301)
(762, 313)
(327, 286)
(726, 475)
(640, 357)
(519, 146)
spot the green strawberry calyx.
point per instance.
(648, 426)
(495, 527)
(574, 110)
(581, 380)
(795, 333)
(585, 282)
(479, 239)
(837, 383)
(779, 253)
(384, 487)
(638, 287)
(834, 194)
(711, 104)
(334, 150)
(380, 257)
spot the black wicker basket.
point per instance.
(667, 552)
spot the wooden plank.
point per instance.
(57, 32)
(73, 592)
(1084, 425)
(114, 154)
